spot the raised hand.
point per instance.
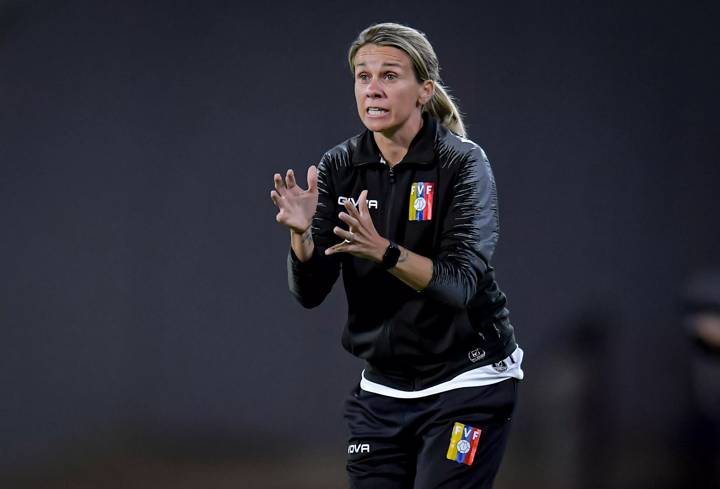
(361, 239)
(296, 206)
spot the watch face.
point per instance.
(391, 256)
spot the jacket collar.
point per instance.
(422, 147)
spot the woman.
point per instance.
(407, 210)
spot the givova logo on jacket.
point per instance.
(421, 197)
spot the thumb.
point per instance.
(312, 177)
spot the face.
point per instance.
(389, 97)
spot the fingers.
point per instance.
(290, 179)
(275, 198)
(351, 209)
(335, 249)
(349, 220)
(344, 234)
(342, 247)
(279, 185)
(361, 211)
(362, 203)
(312, 174)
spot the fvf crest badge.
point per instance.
(463, 443)
(421, 199)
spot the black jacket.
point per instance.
(412, 340)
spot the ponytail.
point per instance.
(442, 107)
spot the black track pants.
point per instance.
(404, 443)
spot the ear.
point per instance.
(427, 88)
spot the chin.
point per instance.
(375, 125)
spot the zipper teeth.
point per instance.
(388, 208)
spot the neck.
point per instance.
(395, 145)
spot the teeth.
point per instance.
(376, 110)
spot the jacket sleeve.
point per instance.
(469, 233)
(311, 281)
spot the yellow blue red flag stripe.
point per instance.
(463, 443)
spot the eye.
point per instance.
(363, 77)
(390, 76)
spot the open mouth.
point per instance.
(376, 111)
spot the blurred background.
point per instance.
(147, 337)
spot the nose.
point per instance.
(372, 89)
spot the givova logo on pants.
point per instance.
(358, 448)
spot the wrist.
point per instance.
(296, 232)
(382, 247)
(391, 256)
(302, 244)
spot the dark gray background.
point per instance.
(144, 305)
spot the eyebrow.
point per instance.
(390, 63)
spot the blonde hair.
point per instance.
(425, 63)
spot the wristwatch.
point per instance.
(391, 256)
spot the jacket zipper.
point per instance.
(389, 234)
(391, 200)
